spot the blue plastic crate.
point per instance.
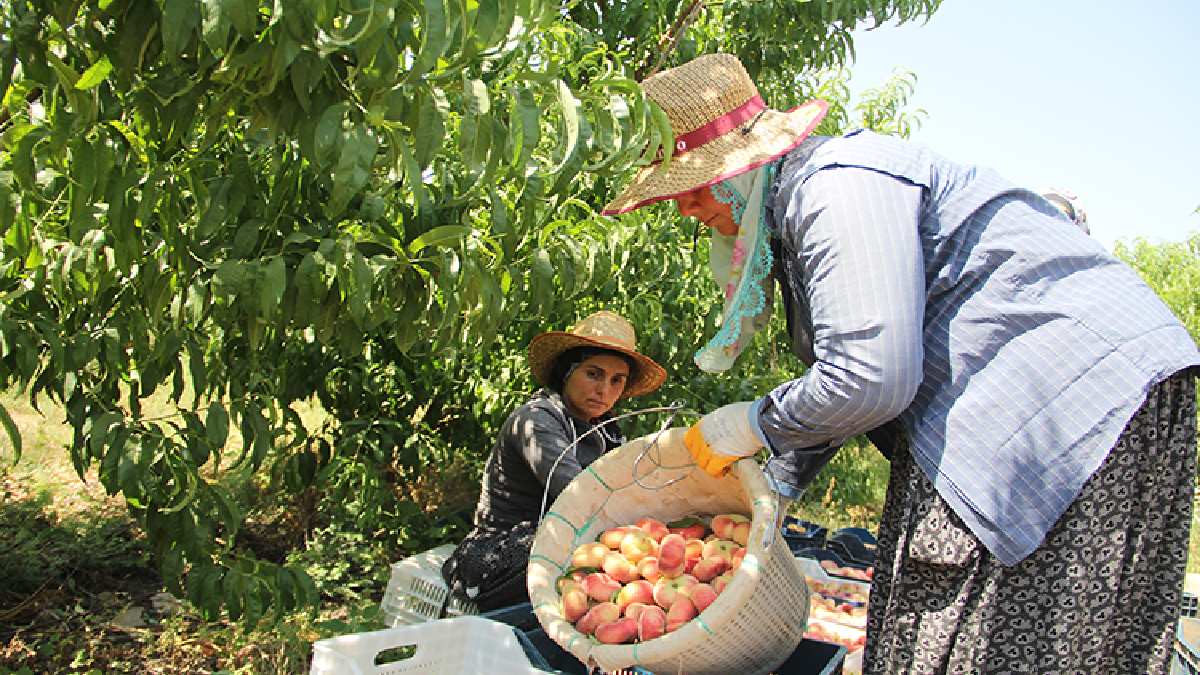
(864, 535)
(852, 547)
(800, 534)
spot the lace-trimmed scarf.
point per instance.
(741, 266)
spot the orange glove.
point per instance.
(724, 436)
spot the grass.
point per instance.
(72, 561)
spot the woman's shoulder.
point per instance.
(543, 405)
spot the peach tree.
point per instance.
(241, 205)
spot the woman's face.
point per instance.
(595, 385)
(703, 206)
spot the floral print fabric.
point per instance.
(1100, 595)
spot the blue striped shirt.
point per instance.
(1010, 345)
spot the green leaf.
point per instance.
(14, 434)
(415, 183)
(228, 513)
(353, 168)
(287, 595)
(666, 137)
(214, 25)
(112, 461)
(180, 19)
(271, 286)
(434, 39)
(232, 589)
(446, 235)
(527, 114)
(475, 95)
(95, 74)
(431, 130)
(243, 14)
(328, 133)
(217, 424)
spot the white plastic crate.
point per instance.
(458, 646)
(416, 591)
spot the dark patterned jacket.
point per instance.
(523, 459)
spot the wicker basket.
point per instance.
(753, 625)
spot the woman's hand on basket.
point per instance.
(724, 436)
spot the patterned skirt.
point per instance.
(488, 566)
(1100, 595)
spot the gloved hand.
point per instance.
(724, 436)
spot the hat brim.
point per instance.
(545, 348)
(728, 155)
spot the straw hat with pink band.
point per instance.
(729, 140)
(722, 128)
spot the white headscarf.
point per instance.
(741, 266)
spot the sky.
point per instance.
(1099, 97)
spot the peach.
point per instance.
(648, 568)
(694, 549)
(681, 612)
(605, 612)
(575, 577)
(600, 587)
(655, 528)
(636, 544)
(635, 591)
(701, 595)
(618, 567)
(666, 591)
(689, 528)
(672, 552)
(720, 548)
(651, 623)
(575, 602)
(721, 582)
(724, 524)
(635, 609)
(710, 568)
(736, 560)
(617, 632)
(590, 555)
(612, 537)
(741, 533)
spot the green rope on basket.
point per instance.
(572, 640)
(635, 652)
(599, 479)
(763, 501)
(587, 524)
(704, 626)
(564, 519)
(538, 556)
(545, 605)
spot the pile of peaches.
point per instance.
(641, 581)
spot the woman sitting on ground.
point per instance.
(543, 445)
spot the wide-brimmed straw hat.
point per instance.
(602, 329)
(722, 129)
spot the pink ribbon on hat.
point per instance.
(719, 126)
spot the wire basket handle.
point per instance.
(673, 409)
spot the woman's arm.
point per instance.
(544, 435)
(856, 232)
